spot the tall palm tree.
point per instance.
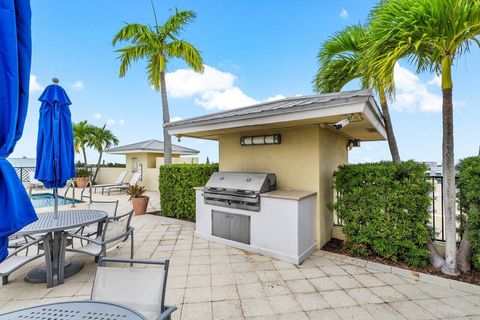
(432, 34)
(82, 134)
(102, 139)
(158, 45)
(342, 59)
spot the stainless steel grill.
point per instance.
(239, 190)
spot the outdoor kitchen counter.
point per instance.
(282, 228)
(288, 194)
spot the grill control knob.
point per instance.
(249, 179)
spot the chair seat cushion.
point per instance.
(91, 249)
(9, 265)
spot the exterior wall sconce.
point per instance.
(261, 140)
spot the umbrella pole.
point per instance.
(55, 206)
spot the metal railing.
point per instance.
(23, 173)
(89, 196)
(437, 212)
(70, 184)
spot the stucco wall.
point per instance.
(333, 152)
(150, 163)
(305, 160)
(109, 175)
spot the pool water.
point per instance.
(41, 200)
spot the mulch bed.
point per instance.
(338, 246)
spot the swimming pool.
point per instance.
(41, 200)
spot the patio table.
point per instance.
(52, 273)
(75, 310)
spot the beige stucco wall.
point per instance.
(109, 175)
(150, 163)
(305, 160)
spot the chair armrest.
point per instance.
(25, 246)
(116, 218)
(78, 236)
(166, 313)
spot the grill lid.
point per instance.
(242, 183)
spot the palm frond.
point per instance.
(336, 73)
(423, 31)
(134, 32)
(187, 52)
(177, 22)
(156, 65)
(131, 54)
(346, 42)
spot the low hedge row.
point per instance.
(176, 183)
(384, 209)
(469, 197)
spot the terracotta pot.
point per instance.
(81, 181)
(140, 205)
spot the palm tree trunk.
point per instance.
(84, 156)
(448, 163)
(98, 166)
(392, 142)
(167, 140)
(464, 256)
(435, 258)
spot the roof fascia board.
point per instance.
(292, 115)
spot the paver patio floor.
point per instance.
(212, 281)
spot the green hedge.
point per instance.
(469, 198)
(177, 181)
(384, 209)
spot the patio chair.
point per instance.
(15, 241)
(140, 289)
(133, 181)
(14, 261)
(116, 230)
(34, 182)
(110, 207)
(118, 182)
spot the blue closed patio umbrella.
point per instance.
(16, 210)
(55, 153)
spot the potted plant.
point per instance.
(138, 198)
(82, 176)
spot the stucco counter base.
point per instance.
(283, 229)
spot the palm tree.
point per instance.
(342, 59)
(431, 34)
(158, 45)
(102, 139)
(82, 133)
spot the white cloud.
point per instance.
(78, 85)
(111, 122)
(275, 97)
(212, 89)
(343, 13)
(34, 85)
(121, 122)
(230, 98)
(173, 119)
(97, 116)
(414, 95)
(436, 81)
(186, 82)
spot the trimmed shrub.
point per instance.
(177, 196)
(469, 198)
(384, 209)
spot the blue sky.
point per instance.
(254, 50)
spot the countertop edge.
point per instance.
(289, 194)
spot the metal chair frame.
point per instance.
(166, 311)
